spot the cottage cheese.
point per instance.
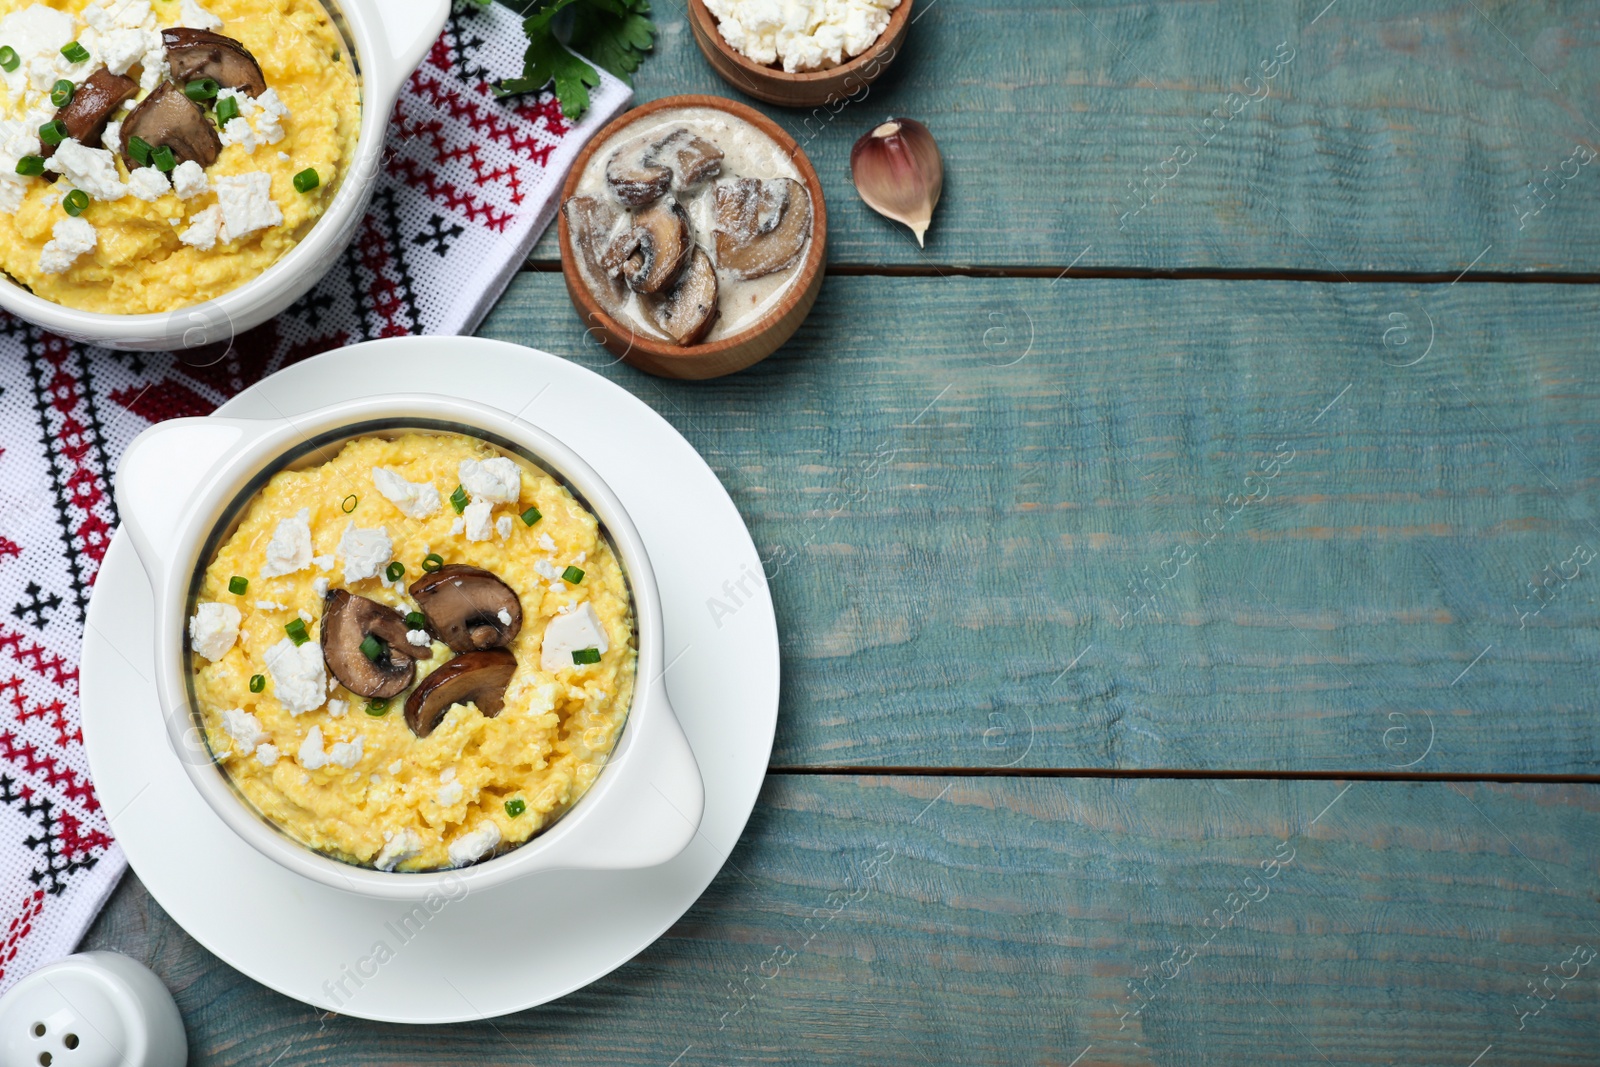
(297, 676)
(247, 204)
(70, 238)
(213, 629)
(416, 500)
(494, 480)
(290, 547)
(801, 34)
(565, 634)
(364, 551)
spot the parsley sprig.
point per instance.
(616, 34)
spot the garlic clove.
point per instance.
(898, 172)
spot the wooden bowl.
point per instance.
(711, 359)
(805, 89)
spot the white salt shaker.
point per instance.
(95, 1009)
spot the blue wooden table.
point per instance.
(1187, 568)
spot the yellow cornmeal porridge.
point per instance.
(364, 787)
(126, 253)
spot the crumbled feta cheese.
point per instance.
(94, 170)
(297, 675)
(271, 605)
(449, 794)
(213, 629)
(11, 196)
(120, 48)
(155, 70)
(71, 238)
(243, 727)
(504, 616)
(290, 547)
(364, 551)
(188, 179)
(311, 756)
(496, 480)
(397, 849)
(267, 755)
(547, 543)
(416, 500)
(283, 157)
(502, 526)
(580, 558)
(323, 562)
(475, 845)
(305, 616)
(458, 525)
(195, 17)
(269, 116)
(396, 766)
(337, 708)
(447, 775)
(319, 586)
(545, 569)
(238, 132)
(803, 34)
(36, 33)
(345, 754)
(478, 522)
(566, 634)
(205, 228)
(419, 638)
(247, 204)
(148, 184)
(122, 14)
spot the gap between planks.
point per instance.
(1335, 277)
(870, 771)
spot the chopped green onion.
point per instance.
(458, 499)
(572, 575)
(201, 89)
(258, 682)
(227, 110)
(306, 180)
(336, 55)
(349, 503)
(74, 52)
(237, 585)
(371, 647)
(516, 806)
(296, 629)
(396, 571)
(163, 158)
(140, 150)
(61, 93)
(432, 562)
(376, 708)
(75, 203)
(9, 60)
(585, 655)
(54, 132)
(417, 621)
(531, 516)
(30, 166)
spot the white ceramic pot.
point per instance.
(388, 38)
(183, 484)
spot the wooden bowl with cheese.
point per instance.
(800, 88)
(693, 234)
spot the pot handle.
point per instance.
(409, 27)
(159, 475)
(651, 814)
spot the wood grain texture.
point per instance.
(930, 920)
(968, 494)
(1402, 135)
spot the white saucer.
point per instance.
(515, 946)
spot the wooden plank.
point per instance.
(979, 921)
(1402, 135)
(1018, 523)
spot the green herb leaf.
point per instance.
(614, 33)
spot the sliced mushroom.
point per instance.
(590, 221)
(196, 54)
(761, 226)
(691, 159)
(168, 117)
(634, 179)
(464, 607)
(91, 106)
(686, 311)
(477, 678)
(347, 621)
(650, 255)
